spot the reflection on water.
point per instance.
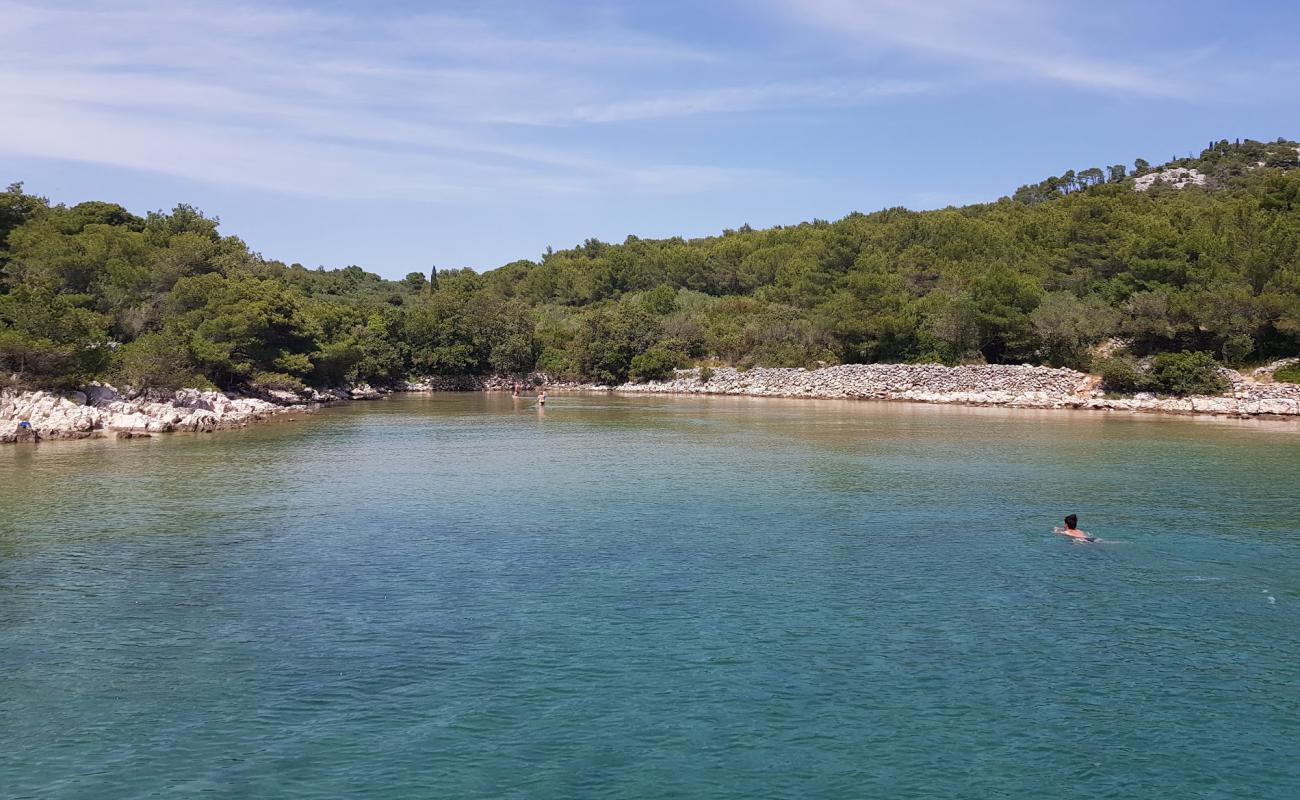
(470, 596)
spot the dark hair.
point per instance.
(1072, 521)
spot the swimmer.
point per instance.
(1071, 529)
(541, 398)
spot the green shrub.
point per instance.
(1170, 373)
(655, 364)
(1236, 349)
(1187, 373)
(157, 360)
(1125, 376)
(277, 381)
(706, 374)
(558, 364)
(1288, 374)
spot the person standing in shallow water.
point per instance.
(541, 398)
(1071, 529)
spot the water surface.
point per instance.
(458, 596)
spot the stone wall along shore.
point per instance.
(983, 385)
(1014, 386)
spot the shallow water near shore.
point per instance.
(456, 595)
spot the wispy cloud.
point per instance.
(1008, 40)
(498, 98)
(417, 105)
(737, 99)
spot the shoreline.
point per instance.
(1005, 386)
(984, 385)
(100, 411)
(103, 411)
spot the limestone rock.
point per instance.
(152, 411)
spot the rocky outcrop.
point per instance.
(365, 391)
(1178, 177)
(101, 409)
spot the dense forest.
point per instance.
(93, 291)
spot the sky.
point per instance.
(403, 135)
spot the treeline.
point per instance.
(1222, 160)
(93, 291)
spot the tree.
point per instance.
(16, 209)
(953, 320)
(609, 338)
(1091, 176)
(655, 364)
(243, 330)
(50, 339)
(157, 360)
(437, 331)
(1068, 328)
(415, 282)
(1042, 276)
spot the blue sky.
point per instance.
(396, 135)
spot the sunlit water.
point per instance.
(458, 597)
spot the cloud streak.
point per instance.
(500, 100)
(1006, 40)
(418, 106)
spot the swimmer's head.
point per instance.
(1072, 521)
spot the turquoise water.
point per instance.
(456, 597)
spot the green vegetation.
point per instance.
(1187, 373)
(1123, 375)
(1169, 373)
(94, 291)
(1288, 374)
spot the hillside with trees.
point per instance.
(1045, 275)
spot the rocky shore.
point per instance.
(1013, 386)
(102, 410)
(983, 385)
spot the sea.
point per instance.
(466, 596)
